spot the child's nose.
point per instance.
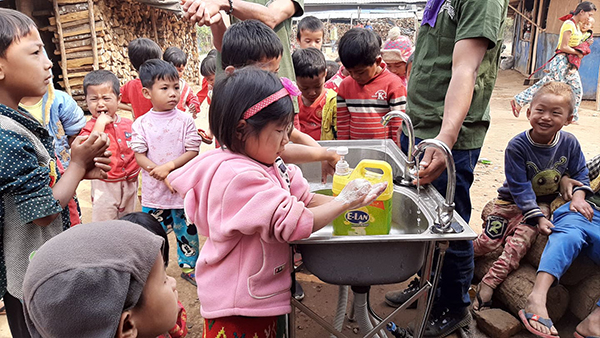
(172, 282)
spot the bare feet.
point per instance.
(538, 307)
(590, 326)
(516, 108)
(483, 299)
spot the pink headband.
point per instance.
(289, 88)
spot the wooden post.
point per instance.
(93, 32)
(538, 4)
(61, 42)
(153, 18)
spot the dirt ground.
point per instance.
(322, 297)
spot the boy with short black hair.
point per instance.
(188, 100)
(116, 195)
(34, 196)
(317, 106)
(163, 140)
(535, 161)
(310, 33)
(370, 92)
(332, 69)
(139, 51)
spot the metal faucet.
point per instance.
(410, 163)
(447, 209)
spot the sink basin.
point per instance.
(377, 259)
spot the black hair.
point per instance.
(151, 224)
(332, 69)
(175, 56)
(248, 42)
(585, 6)
(157, 69)
(213, 52)
(13, 26)
(225, 112)
(311, 24)
(378, 37)
(100, 77)
(208, 66)
(309, 62)
(411, 58)
(141, 50)
(359, 47)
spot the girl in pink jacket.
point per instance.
(250, 205)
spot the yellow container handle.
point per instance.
(361, 172)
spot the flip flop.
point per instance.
(204, 136)
(481, 303)
(579, 335)
(513, 106)
(526, 316)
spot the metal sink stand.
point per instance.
(429, 281)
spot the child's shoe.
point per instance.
(190, 277)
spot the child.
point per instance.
(103, 279)
(332, 68)
(34, 195)
(369, 93)
(396, 52)
(63, 118)
(208, 69)
(572, 234)
(164, 139)
(317, 106)
(250, 205)
(188, 100)
(584, 47)
(139, 50)
(334, 81)
(150, 223)
(115, 196)
(310, 33)
(535, 160)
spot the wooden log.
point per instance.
(74, 17)
(68, 2)
(63, 54)
(71, 8)
(74, 75)
(584, 296)
(513, 292)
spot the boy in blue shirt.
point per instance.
(33, 198)
(535, 161)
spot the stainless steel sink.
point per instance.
(377, 259)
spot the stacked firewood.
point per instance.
(117, 22)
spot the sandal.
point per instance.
(526, 316)
(190, 277)
(513, 106)
(204, 136)
(2, 308)
(579, 335)
(482, 305)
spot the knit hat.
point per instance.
(79, 283)
(397, 50)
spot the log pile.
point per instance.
(101, 43)
(577, 292)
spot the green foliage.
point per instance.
(204, 38)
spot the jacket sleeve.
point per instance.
(192, 139)
(254, 204)
(519, 185)
(70, 114)
(578, 169)
(299, 185)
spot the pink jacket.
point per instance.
(249, 215)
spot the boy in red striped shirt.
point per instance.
(370, 92)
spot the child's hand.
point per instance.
(102, 167)
(545, 226)
(359, 193)
(162, 171)
(579, 204)
(104, 119)
(566, 187)
(87, 150)
(168, 184)
(328, 166)
(194, 111)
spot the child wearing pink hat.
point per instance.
(395, 53)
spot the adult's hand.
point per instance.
(202, 12)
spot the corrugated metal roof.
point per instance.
(364, 15)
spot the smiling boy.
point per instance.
(114, 196)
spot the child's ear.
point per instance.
(378, 60)
(528, 112)
(127, 327)
(119, 98)
(569, 119)
(1, 69)
(240, 130)
(146, 93)
(229, 70)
